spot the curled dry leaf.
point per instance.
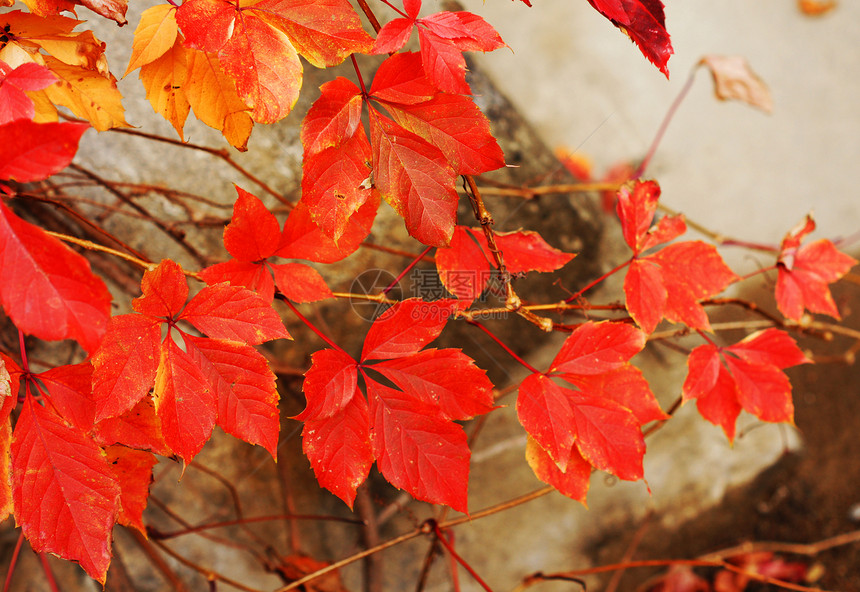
(734, 80)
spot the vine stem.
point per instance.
(23, 349)
(218, 153)
(528, 366)
(374, 22)
(163, 536)
(49, 573)
(665, 123)
(416, 533)
(448, 547)
(310, 325)
(612, 271)
(13, 562)
(668, 563)
(532, 192)
(89, 245)
(412, 264)
(512, 300)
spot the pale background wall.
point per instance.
(741, 172)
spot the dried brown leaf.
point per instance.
(734, 80)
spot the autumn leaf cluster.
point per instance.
(78, 441)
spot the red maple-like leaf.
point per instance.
(600, 420)
(804, 273)
(466, 265)
(252, 237)
(31, 151)
(597, 423)
(671, 282)
(748, 375)
(443, 37)
(14, 104)
(645, 23)
(408, 430)
(219, 379)
(47, 271)
(60, 475)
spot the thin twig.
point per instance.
(103, 249)
(218, 153)
(210, 575)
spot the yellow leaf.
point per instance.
(24, 25)
(15, 55)
(213, 96)
(237, 129)
(46, 112)
(164, 80)
(87, 93)
(75, 49)
(154, 36)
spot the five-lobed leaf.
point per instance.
(748, 375)
(408, 430)
(805, 272)
(216, 379)
(252, 237)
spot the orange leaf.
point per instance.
(88, 94)
(165, 79)
(325, 32)
(212, 94)
(155, 34)
(815, 7)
